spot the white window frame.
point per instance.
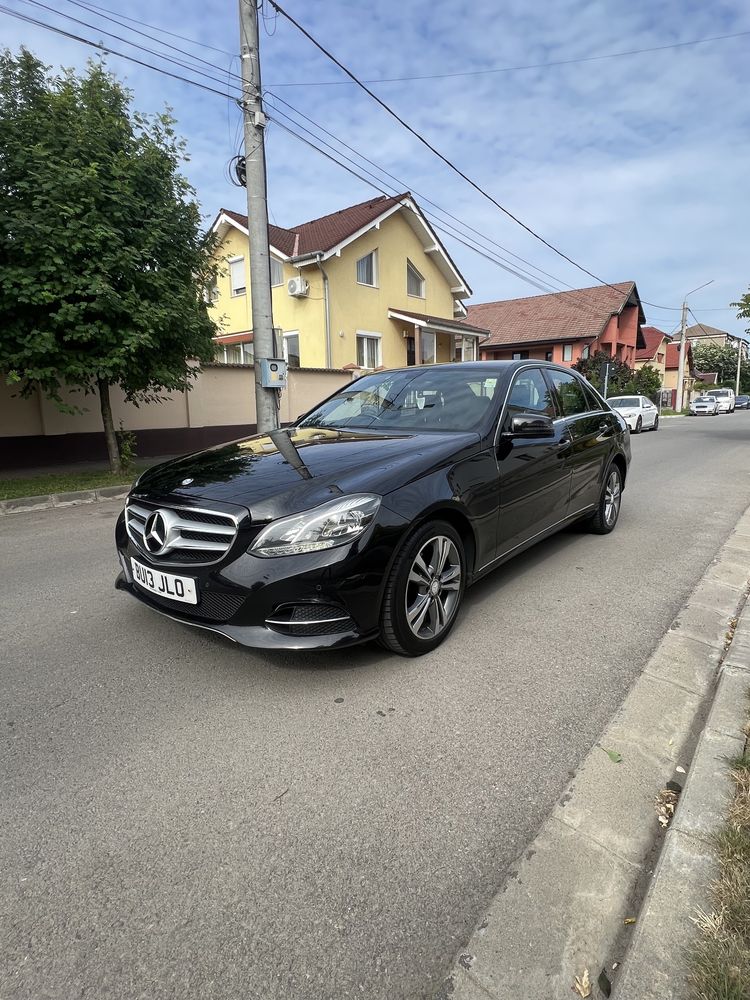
(418, 273)
(585, 353)
(423, 334)
(239, 289)
(366, 284)
(467, 345)
(292, 333)
(378, 338)
(567, 352)
(275, 260)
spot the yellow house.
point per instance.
(654, 353)
(370, 286)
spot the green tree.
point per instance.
(721, 359)
(620, 377)
(102, 260)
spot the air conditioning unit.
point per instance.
(297, 287)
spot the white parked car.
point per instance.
(725, 399)
(704, 406)
(639, 412)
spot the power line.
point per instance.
(107, 50)
(517, 69)
(121, 20)
(432, 148)
(127, 41)
(162, 31)
(403, 186)
(513, 269)
(437, 224)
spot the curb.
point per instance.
(655, 963)
(23, 505)
(564, 905)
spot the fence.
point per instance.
(220, 406)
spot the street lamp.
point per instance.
(681, 362)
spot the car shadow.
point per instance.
(371, 655)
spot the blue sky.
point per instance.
(636, 167)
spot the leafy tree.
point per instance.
(102, 261)
(620, 375)
(722, 359)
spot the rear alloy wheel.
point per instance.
(638, 426)
(605, 518)
(424, 590)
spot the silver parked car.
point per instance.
(639, 412)
(704, 406)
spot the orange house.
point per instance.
(564, 326)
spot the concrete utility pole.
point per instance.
(739, 363)
(257, 212)
(681, 363)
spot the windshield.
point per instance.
(703, 399)
(719, 392)
(422, 399)
(623, 402)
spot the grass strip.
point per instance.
(64, 482)
(720, 965)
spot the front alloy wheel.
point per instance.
(638, 425)
(424, 590)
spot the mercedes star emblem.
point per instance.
(155, 532)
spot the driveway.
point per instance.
(181, 818)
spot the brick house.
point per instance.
(563, 326)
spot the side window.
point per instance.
(529, 393)
(571, 392)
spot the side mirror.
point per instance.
(531, 425)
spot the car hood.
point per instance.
(294, 469)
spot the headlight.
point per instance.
(324, 527)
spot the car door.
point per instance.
(592, 427)
(534, 474)
(650, 412)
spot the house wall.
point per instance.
(538, 353)
(353, 306)
(359, 307)
(305, 315)
(219, 407)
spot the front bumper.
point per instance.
(321, 600)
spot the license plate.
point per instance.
(176, 588)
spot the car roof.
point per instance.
(500, 367)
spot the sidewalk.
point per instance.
(568, 911)
(656, 965)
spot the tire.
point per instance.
(419, 609)
(656, 425)
(605, 518)
(638, 426)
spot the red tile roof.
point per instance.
(575, 315)
(654, 339)
(321, 235)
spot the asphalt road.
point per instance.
(181, 818)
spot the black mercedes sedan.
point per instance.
(370, 517)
